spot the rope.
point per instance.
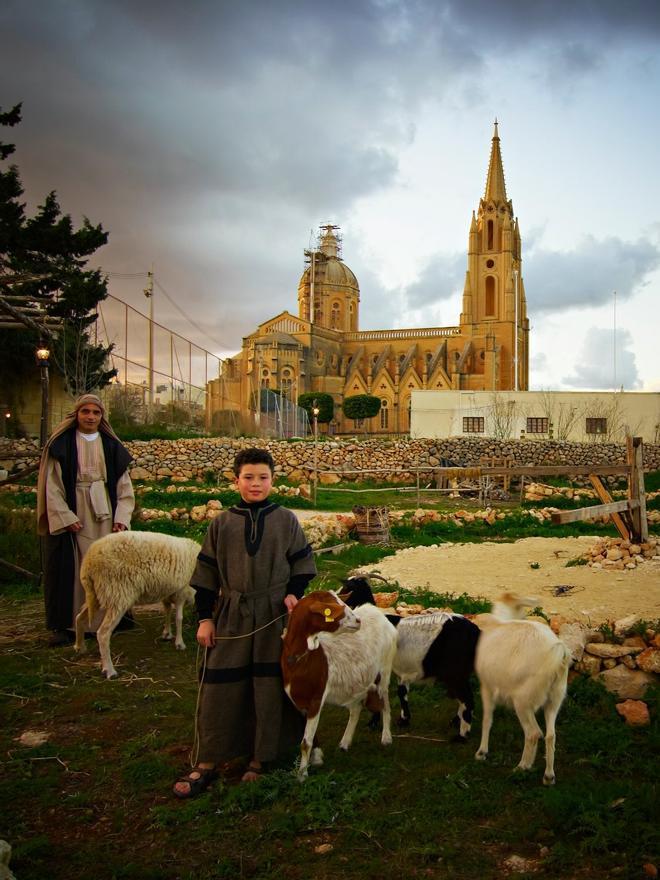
(194, 751)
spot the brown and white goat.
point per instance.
(332, 654)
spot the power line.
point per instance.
(187, 317)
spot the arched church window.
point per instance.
(490, 295)
(384, 414)
(334, 316)
(489, 235)
(286, 383)
(351, 316)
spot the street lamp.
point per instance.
(42, 355)
(315, 413)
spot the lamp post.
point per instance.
(42, 355)
(315, 413)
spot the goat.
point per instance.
(332, 654)
(125, 568)
(431, 647)
(522, 664)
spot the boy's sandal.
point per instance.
(198, 780)
(256, 771)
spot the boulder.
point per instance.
(629, 684)
(649, 660)
(635, 712)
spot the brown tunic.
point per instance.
(247, 559)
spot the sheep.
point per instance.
(125, 568)
(336, 655)
(432, 647)
(523, 664)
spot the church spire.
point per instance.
(495, 186)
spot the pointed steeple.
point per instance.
(495, 186)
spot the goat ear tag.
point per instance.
(327, 613)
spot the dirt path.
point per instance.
(489, 569)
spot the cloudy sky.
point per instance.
(210, 138)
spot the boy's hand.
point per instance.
(206, 633)
(290, 602)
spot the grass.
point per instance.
(96, 796)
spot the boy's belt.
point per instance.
(238, 603)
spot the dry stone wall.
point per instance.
(189, 459)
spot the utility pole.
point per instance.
(614, 342)
(149, 293)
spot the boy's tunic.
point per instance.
(248, 559)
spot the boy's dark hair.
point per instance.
(253, 456)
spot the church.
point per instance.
(322, 349)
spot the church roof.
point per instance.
(495, 186)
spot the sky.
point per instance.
(211, 139)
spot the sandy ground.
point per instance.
(488, 569)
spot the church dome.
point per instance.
(332, 272)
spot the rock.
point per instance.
(635, 712)
(140, 473)
(611, 650)
(198, 513)
(635, 642)
(614, 554)
(629, 684)
(326, 479)
(649, 660)
(588, 665)
(622, 626)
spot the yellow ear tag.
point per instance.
(327, 613)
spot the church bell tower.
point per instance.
(494, 313)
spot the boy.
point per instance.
(254, 565)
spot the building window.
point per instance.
(286, 383)
(359, 423)
(489, 242)
(596, 426)
(351, 316)
(334, 316)
(473, 424)
(490, 295)
(537, 426)
(384, 415)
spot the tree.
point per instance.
(324, 402)
(43, 260)
(361, 406)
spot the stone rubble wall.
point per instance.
(188, 459)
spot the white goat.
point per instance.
(126, 568)
(334, 655)
(522, 664)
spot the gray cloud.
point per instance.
(439, 280)
(595, 368)
(208, 139)
(588, 275)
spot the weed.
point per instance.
(576, 560)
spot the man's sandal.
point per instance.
(198, 780)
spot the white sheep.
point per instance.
(126, 568)
(522, 664)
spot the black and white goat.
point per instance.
(431, 647)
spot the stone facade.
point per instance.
(322, 349)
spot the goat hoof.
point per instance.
(180, 647)
(549, 780)
(316, 758)
(481, 756)
(403, 722)
(166, 637)
(458, 738)
(110, 675)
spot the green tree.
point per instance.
(324, 402)
(43, 259)
(361, 406)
